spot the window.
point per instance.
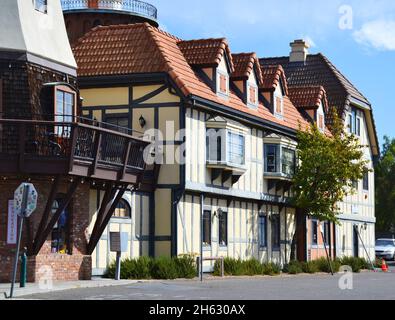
(275, 229)
(64, 110)
(354, 123)
(326, 227)
(314, 232)
(223, 83)
(118, 123)
(40, 5)
(214, 145)
(355, 184)
(366, 181)
(223, 228)
(272, 155)
(275, 155)
(123, 210)
(207, 228)
(252, 95)
(235, 148)
(288, 162)
(59, 237)
(262, 221)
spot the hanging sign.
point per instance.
(12, 223)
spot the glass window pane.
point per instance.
(223, 229)
(271, 156)
(207, 228)
(236, 148)
(275, 229)
(288, 162)
(262, 231)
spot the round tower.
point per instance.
(83, 15)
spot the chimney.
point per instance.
(299, 51)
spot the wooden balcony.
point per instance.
(76, 149)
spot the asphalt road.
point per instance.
(366, 286)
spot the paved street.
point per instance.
(366, 285)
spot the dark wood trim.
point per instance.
(96, 154)
(65, 202)
(121, 80)
(108, 196)
(151, 94)
(106, 218)
(47, 210)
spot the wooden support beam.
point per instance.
(44, 235)
(94, 240)
(126, 155)
(47, 211)
(96, 154)
(104, 207)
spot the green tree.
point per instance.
(327, 167)
(385, 187)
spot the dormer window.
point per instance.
(41, 5)
(222, 83)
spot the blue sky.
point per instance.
(357, 36)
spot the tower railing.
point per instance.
(132, 6)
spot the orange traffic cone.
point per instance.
(384, 267)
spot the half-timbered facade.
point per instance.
(225, 133)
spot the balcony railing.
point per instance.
(131, 6)
(46, 147)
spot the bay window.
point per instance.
(279, 160)
(225, 147)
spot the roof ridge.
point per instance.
(167, 60)
(332, 67)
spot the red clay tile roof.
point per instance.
(206, 52)
(141, 48)
(308, 97)
(245, 64)
(272, 74)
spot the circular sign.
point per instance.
(25, 200)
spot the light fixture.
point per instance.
(142, 122)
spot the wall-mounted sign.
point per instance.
(12, 225)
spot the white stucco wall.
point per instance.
(42, 34)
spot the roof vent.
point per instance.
(299, 51)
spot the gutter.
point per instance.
(241, 116)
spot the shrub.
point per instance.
(185, 266)
(232, 267)
(323, 265)
(271, 269)
(310, 267)
(294, 267)
(161, 268)
(357, 264)
(164, 268)
(252, 267)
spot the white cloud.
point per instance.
(378, 34)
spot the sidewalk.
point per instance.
(34, 288)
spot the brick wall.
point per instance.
(73, 266)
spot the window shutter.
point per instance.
(278, 105)
(223, 87)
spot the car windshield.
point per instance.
(384, 243)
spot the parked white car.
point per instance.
(385, 249)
